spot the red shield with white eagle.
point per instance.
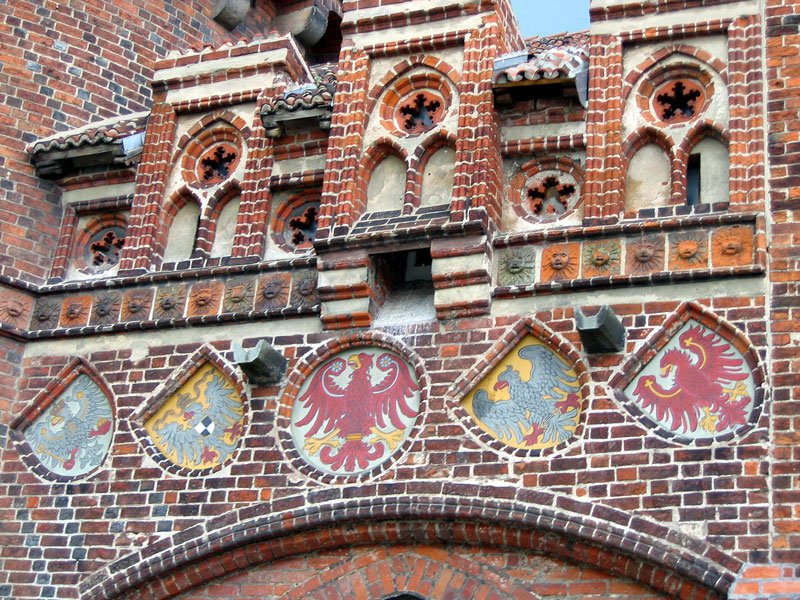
(699, 386)
(355, 410)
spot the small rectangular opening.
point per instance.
(404, 285)
(693, 180)
(406, 270)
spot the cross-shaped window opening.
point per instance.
(550, 197)
(420, 112)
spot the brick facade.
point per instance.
(557, 361)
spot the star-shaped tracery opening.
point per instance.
(550, 197)
(421, 113)
(218, 164)
(679, 101)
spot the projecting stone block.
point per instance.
(601, 332)
(262, 364)
(229, 13)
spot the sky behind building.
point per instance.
(544, 17)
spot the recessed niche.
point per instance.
(404, 284)
(649, 179)
(226, 229)
(438, 177)
(710, 164)
(386, 190)
(182, 234)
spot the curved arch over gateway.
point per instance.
(574, 531)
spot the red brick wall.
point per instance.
(66, 64)
(781, 580)
(783, 52)
(615, 467)
(131, 521)
(10, 358)
(440, 572)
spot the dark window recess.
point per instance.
(196, 236)
(403, 287)
(405, 597)
(693, 180)
(417, 272)
(409, 270)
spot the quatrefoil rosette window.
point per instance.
(547, 191)
(294, 224)
(212, 157)
(416, 104)
(675, 94)
(98, 244)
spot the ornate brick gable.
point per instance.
(512, 318)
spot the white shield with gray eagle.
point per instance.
(530, 399)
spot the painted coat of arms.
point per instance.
(698, 386)
(355, 411)
(72, 436)
(530, 400)
(199, 426)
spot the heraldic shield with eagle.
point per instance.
(530, 399)
(200, 425)
(698, 386)
(355, 411)
(72, 436)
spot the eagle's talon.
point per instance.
(314, 445)
(392, 439)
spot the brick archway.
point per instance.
(421, 572)
(343, 517)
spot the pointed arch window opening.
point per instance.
(693, 180)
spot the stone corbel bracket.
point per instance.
(309, 23)
(601, 332)
(309, 104)
(263, 365)
(231, 13)
(278, 124)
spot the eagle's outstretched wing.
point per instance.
(715, 358)
(52, 449)
(501, 417)
(392, 393)
(224, 405)
(182, 441)
(324, 398)
(549, 373)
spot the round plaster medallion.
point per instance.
(355, 411)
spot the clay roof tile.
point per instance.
(558, 56)
(99, 132)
